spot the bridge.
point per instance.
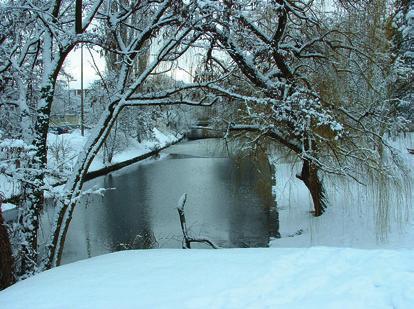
(200, 132)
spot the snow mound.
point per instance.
(7, 207)
(315, 277)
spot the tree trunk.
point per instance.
(29, 216)
(310, 178)
(75, 182)
(6, 256)
(33, 202)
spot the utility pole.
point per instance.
(82, 114)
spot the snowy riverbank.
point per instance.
(65, 148)
(74, 143)
(358, 216)
(233, 278)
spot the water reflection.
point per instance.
(227, 202)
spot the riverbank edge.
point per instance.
(117, 166)
(110, 168)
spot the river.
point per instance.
(229, 201)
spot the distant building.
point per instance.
(67, 104)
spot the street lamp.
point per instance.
(82, 114)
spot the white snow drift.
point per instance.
(230, 278)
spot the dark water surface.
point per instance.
(229, 201)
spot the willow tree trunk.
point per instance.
(310, 178)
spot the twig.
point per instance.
(187, 240)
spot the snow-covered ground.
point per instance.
(233, 278)
(355, 216)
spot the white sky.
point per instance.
(73, 67)
(73, 63)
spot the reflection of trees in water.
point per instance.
(127, 214)
(144, 240)
(263, 188)
(253, 225)
(89, 200)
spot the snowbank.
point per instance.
(136, 149)
(233, 278)
(73, 143)
(7, 207)
(352, 218)
(7, 186)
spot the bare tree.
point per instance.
(42, 44)
(39, 46)
(283, 49)
(179, 31)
